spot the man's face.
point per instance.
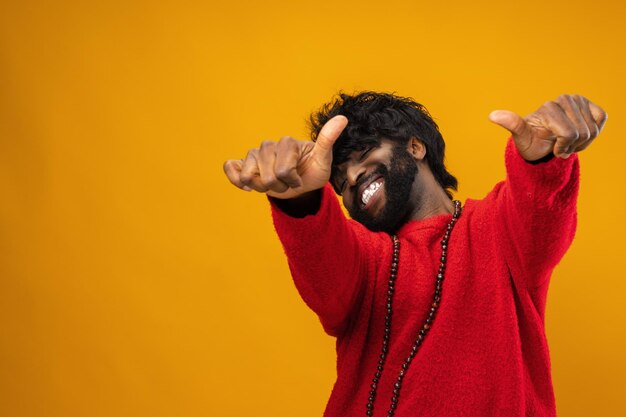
(376, 185)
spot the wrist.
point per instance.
(300, 206)
(544, 159)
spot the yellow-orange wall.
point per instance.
(136, 281)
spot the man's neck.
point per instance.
(432, 198)
(433, 205)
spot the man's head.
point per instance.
(386, 141)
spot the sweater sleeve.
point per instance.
(536, 209)
(327, 256)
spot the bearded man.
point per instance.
(437, 307)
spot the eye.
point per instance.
(364, 154)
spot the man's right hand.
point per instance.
(288, 168)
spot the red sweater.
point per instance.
(486, 353)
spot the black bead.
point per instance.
(428, 321)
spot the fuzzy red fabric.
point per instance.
(486, 353)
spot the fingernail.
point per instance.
(246, 188)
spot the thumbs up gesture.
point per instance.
(566, 125)
(288, 168)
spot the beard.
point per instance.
(398, 182)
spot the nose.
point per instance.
(354, 172)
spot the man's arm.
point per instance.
(536, 206)
(326, 253)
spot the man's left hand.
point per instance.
(566, 125)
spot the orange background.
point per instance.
(136, 281)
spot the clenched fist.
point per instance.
(288, 168)
(566, 125)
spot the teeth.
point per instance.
(370, 191)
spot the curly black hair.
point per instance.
(373, 116)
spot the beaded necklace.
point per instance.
(423, 331)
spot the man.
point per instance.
(446, 316)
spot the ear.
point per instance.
(416, 148)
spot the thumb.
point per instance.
(327, 137)
(512, 122)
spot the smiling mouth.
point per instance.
(370, 191)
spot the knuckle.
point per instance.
(267, 144)
(269, 181)
(587, 133)
(565, 100)
(572, 134)
(595, 131)
(550, 105)
(283, 172)
(286, 142)
(247, 176)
